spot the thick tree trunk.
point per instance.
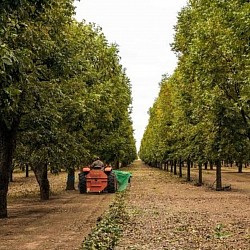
(116, 164)
(188, 170)
(180, 169)
(211, 164)
(218, 175)
(71, 179)
(240, 167)
(175, 167)
(7, 146)
(200, 174)
(41, 173)
(26, 170)
(205, 165)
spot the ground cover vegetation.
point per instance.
(108, 231)
(64, 96)
(202, 113)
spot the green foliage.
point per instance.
(202, 112)
(63, 94)
(219, 233)
(28, 35)
(108, 231)
(79, 108)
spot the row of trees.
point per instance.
(64, 97)
(202, 113)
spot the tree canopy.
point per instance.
(64, 96)
(206, 101)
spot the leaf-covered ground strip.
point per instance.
(108, 230)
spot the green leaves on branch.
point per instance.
(63, 83)
(208, 94)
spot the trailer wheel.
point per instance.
(82, 183)
(111, 188)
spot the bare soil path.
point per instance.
(168, 213)
(165, 213)
(60, 223)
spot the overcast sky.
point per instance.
(143, 30)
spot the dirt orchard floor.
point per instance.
(60, 223)
(165, 213)
(168, 213)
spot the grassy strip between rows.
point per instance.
(108, 230)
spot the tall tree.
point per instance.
(210, 108)
(28, 32)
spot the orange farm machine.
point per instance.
(97, 180)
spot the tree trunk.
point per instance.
(211, 164)
(41, 173)
(116, 164)
(218, 175)
(205, 165)
(200, 174)
(167, 166)
(26, 170)
(7, 146)
(175, 167)
(171, 166)
(71, 179)
(240, 167)
(180, 169)
(188, 170)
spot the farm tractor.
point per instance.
(97, 180)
